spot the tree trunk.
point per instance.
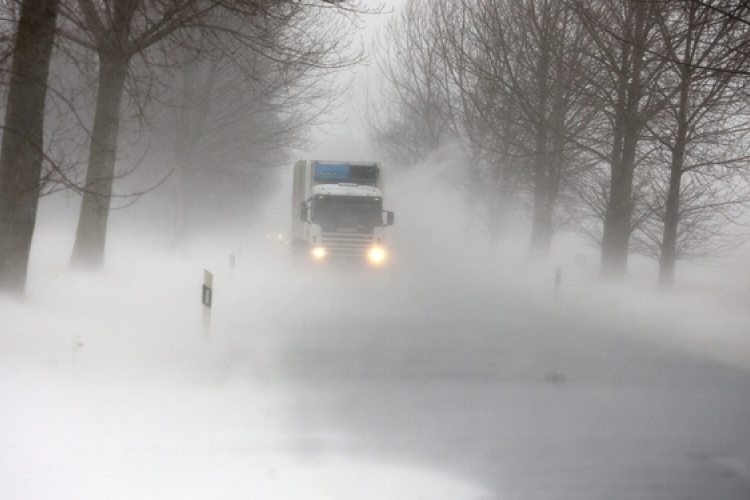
(541, 222)
(88, 251)
(616, 237)
(21, 155)
(617, 221)
(668, 257)
(543, 226)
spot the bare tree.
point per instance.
(226, 128)
(712, 215)
(435, 106)
(21, 156)
(532, 52)
(704, 122)
(120, 30)
(627, 46)
(409, 121)
(586, 101)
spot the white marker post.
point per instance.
(207, 297)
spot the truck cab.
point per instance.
(338, 211)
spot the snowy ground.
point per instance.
(110, 388)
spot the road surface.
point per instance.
(447, 383)
(459, 373)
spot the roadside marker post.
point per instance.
(207, 299)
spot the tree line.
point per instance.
(220, 82)
(626, 120)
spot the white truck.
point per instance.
(337, 211)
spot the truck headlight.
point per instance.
(319, 252)
(376, 255)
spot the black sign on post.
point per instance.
(206, 296)
(206, 299)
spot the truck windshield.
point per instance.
(347, 211)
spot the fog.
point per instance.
(455, 371)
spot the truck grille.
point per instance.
(347, 244)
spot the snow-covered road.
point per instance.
(336, 384)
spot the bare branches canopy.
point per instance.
(623, 118)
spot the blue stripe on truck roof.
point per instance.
(331, 171)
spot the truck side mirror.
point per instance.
(389, 218)
(303, 212)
